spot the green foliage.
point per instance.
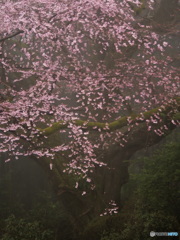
(159, 181)
(141, 224)
(48, 211)
(28, 196)
(46, 220)
(51, 214)
(105, 227)
(95, 229)
(154, 206)
(21, 229)
(110, 236)
(157, 197)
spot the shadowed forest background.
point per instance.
(89, 124)
(29, 209)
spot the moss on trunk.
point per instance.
(173, 106)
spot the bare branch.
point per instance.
(11, 35)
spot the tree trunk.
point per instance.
(116, 173)
(108, 179)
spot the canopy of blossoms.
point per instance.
(79, 67)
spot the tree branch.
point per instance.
(11, 35)
(118, 124)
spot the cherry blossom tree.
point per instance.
(84, 85)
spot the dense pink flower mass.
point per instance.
(91, 60)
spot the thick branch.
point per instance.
(11, 35)
(17, 32)
(118, 124)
